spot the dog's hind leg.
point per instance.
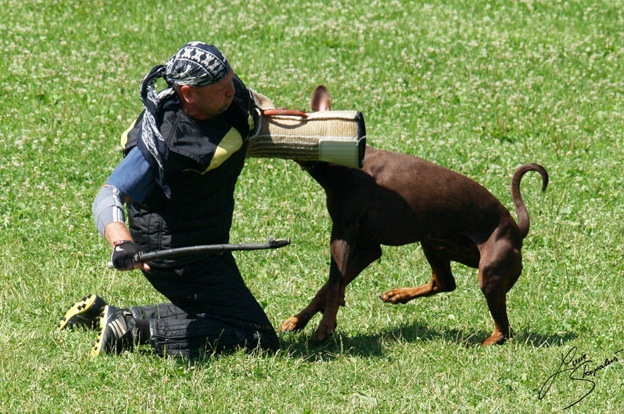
(442, 280)
(497, 274)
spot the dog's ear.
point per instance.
(320, 99)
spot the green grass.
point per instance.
(479, 87)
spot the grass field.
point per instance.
(479, 87)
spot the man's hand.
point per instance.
(124, 253)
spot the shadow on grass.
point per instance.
(301, 345)
(538, 340)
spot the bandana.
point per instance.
(196, 64)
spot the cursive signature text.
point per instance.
(579, 369)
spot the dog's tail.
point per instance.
(523, 216)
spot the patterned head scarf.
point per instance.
(196, 64)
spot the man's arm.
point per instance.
(116, 231)
(132, 179)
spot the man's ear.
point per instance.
(187, 94)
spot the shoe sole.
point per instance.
(77, 309)
(100, 342)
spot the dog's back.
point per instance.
(399, 199)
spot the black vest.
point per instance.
(205, 160)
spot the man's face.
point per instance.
(208, 101)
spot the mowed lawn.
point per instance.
(479, 87)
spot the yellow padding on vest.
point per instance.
(124, 136)
(231, 142)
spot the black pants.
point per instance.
(211, 310)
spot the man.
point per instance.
(183, 156)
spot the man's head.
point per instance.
(202, 77)
(203, 80)
(206, 102)
(196, 64)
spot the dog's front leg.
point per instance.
(327, 301)
(300, 320)
(349, 256)
(334, 299)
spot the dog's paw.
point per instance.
(395, 296)
(323, 333)
(497, 338)
(292, 325)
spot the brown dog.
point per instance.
(396, 199)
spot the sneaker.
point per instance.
(116, 334)
(83, 314)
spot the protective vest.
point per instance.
(205, 160)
